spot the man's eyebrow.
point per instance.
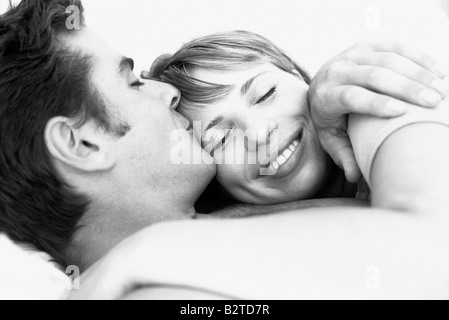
(126, 65)
(249, 83)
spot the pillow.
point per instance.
(27, 275)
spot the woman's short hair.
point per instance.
(226, 51)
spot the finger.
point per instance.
(414, 54)
(406, 68)
(339, 148)
(354, 99)
(390, 83)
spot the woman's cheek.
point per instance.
(226, 177)
(232, 175)
(295, 106)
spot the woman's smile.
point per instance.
(289, 158)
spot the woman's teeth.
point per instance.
(283, 158)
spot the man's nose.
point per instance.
(172, 97)
(166, 93)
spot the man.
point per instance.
(85, 145)
(76, 156)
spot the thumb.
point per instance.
(340, 149)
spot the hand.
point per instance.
(372, 78)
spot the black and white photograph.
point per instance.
(215, 152)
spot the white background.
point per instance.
(310, 31)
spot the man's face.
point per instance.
(145, 171)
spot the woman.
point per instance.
(249, 102)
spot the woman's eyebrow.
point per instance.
(249, 83)
(214, 123)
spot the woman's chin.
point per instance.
(270, 195)
(306, 184)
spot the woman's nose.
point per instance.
(260, 132)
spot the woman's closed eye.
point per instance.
(221, 140)
(267, 96)
(135, 81)
(137, 84)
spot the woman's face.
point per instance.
(261, 135)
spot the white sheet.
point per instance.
(28, 276)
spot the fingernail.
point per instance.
(441, 86)
(430, 98)
(396, 107)
(442, 69)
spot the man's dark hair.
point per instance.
(41, 78)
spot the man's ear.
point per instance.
(82, 148)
